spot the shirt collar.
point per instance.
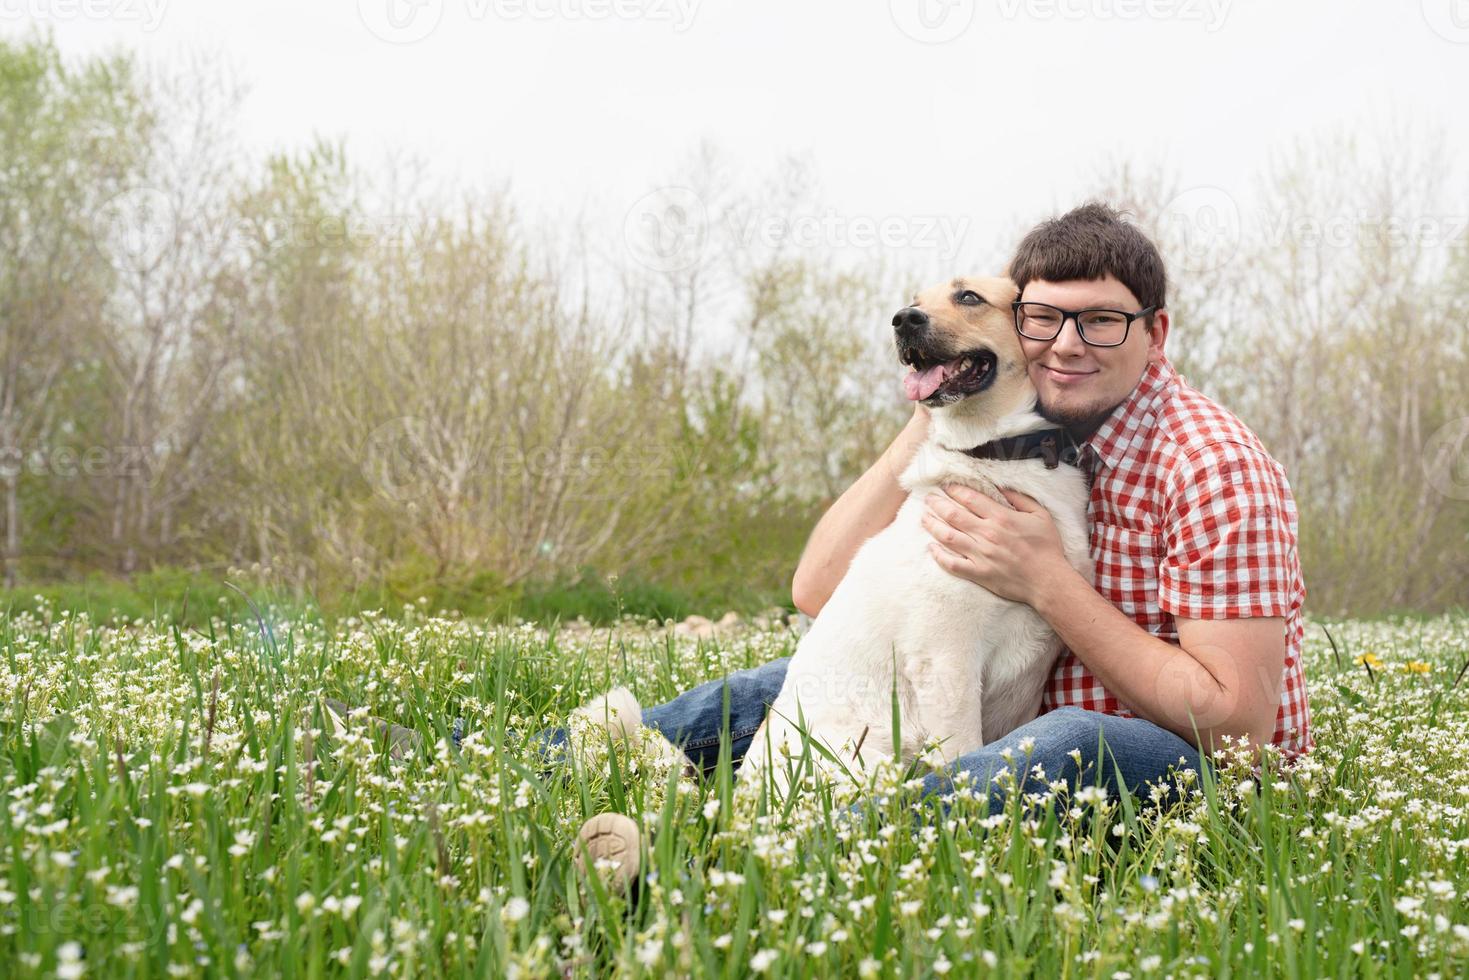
(1118, 434)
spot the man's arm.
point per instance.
(1225, 577)
(867, 506)
(1222, 678)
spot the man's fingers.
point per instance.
(953, 513)
(972, 500)
(1021, 501)
(947, 560)
(940, 530)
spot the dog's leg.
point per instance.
(780, 744)
(762, 756)
(948, 692)
(613, 841)
(618, 714)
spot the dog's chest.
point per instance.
(912, 601)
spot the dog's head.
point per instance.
(959, 339)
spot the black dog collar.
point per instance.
(1052, 445)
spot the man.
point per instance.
(1189, 633)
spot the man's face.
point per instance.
(1079, 385)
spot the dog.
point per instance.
(961, 665)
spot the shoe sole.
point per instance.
(611, 837)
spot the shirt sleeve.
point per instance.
(1229, 536)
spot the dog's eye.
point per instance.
(970, 298)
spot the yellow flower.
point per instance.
(1417, 666)
(1370, 659)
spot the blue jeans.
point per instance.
(1122, 754)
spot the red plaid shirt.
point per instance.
(1191, 517)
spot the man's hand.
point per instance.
(1013, 553)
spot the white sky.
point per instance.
(584, 106)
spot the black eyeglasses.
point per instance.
(1097, 327)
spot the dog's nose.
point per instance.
(910, 321)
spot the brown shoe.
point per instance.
(614, 838)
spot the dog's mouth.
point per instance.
(935, 380)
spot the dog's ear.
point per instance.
(998, 291)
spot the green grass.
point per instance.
(193, 598)
(176, 804)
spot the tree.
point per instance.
(69, 138)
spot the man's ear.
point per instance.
(1158, 335)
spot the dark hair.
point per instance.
(1088, 243)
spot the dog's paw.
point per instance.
(617, 712)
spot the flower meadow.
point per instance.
(177, 802)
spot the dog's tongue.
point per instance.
(918, 385)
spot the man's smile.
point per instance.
(1062, 376)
